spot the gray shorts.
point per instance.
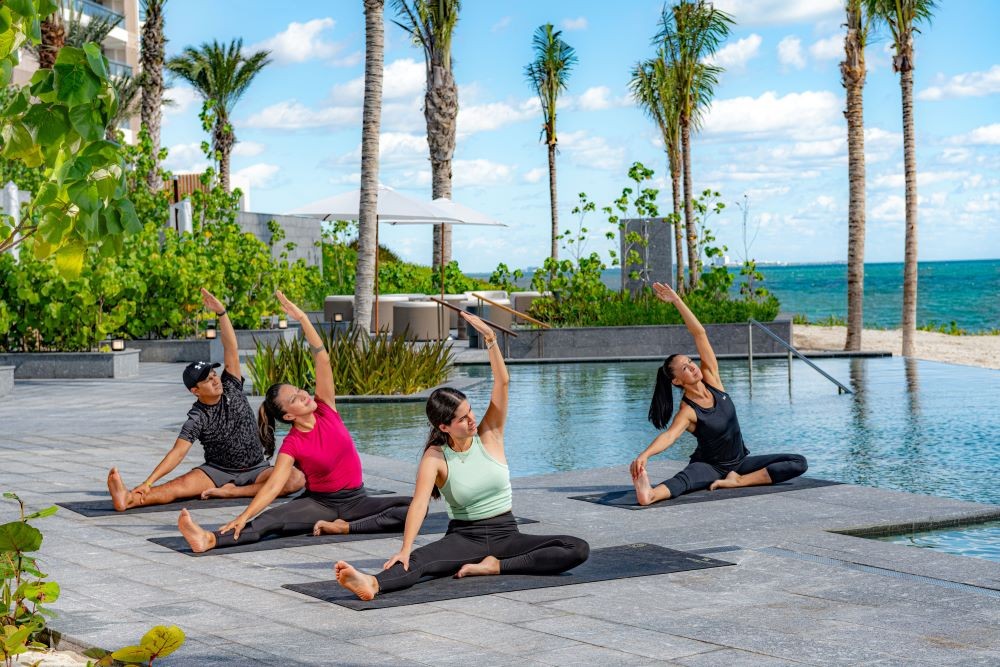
(223, 476)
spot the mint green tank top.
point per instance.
(478, 486)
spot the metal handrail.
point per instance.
(513, 312)
(841, 389)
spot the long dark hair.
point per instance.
(441, 407)
(662, 405)
(268, 413)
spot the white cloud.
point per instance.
(778, 11)
(292, 115)
(924, 178)
(401, 78)
(973, 84)
(826, 202)
(502, 24)
(591, 151)
(736, 55)
(258, 175)
(535, 175)
(248, 149)
(181, 98)
(827, 148)
(350, 60)
(987, 202)
(186, 158)
(394, 149)
(579, 23)
(987, 135)
(472, 173)
(790, 52)
(809, 115)
(830, 48)
(301, 42)
(347, 179)
(598, 98)
(493, 115)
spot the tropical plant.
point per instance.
(852, 75)
(151, 55)
(655, 89)
(691, 31)
(52, 35)
(159, 642)
(128, 91)
(220, 74)
(634, 260)
(371, 121)
(548, 75)
(362, 365)
(901, 17)
(58, 125)
(431, 23)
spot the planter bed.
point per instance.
(641, 341)
(6, 380)
(71, 365)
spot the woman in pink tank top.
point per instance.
(318, 444)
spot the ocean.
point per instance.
(965, 292)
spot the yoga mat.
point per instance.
(434, 523)
(93, 508)
(620, 562)
(626, 497)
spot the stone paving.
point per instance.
(798, 594)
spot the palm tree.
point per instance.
(127, 91)
(690, 32)
(53, 32)
(151, 56)
(220, 74)
(902, 17)
(852, 76)
(431, 24)
(548, 75)
(654, 89)
(371, 121)
(66, 27)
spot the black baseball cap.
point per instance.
(197, 371)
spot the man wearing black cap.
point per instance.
(236, 465)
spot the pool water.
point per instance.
(910, 425)
(980, 541)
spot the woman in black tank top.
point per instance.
(721, 459)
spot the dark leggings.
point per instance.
(363, 513)
(472, 541)
(697, 475)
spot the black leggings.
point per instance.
(698, 475)
(364, 514)
(472, 541)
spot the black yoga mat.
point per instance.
(434, 523)
(93, 508)
(626, 497)
(621, 562)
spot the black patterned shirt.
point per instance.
(227, 430)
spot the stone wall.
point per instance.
(303, 232)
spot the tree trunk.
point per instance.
(675, 190)
(370, 124)
(910, 243)
(554, 202)
(151, 111)
(224, 140)
(690, 225)
(853, 77)
(441, 113)
(53, 32)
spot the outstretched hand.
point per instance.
(665, 293)
(211, 302)
(293, 311)
(477, 324)
(402, 557)
(236, 525)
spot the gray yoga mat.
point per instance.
(97, 508)
(626, 497)
(620, 562)
(434, 523)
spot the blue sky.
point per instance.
(775, 131)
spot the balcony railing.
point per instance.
(96, 10)
(116, 68)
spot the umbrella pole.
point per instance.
(443, 314)
(376, 275)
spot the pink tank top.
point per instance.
(326, 455)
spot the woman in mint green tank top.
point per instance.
(464, 461)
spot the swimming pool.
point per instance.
(916, 426)
(978, 541)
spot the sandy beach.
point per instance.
(983, 351)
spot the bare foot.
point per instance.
(643, 489)
(363, 585)
(731, 481)
(486, 566)
(120, 495)
(197, 537)
(335, 527)
(224, 491)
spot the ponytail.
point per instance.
(440, 409)
(267, 414)
(662, 405)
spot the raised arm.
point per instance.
(709, 364)
(230, 348)
(431, 466)
(683, 421)
(325, 390)
(271, 490)
(496, 414)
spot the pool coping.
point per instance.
(902, 528)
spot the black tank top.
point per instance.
(717, 430)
